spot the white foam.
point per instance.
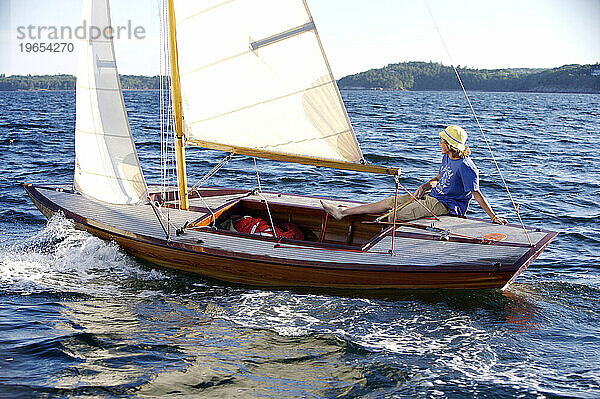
(60, 258)
(450, 346)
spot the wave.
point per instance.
(581, 237)
(15, 125)
(445, 343)
(60, 258)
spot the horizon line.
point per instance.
(3, 74)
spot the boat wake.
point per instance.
(61, 259)
(438, 342)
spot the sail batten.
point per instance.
(107, 167)
(105, 134)
(259, 79)
(98, 88)
(111, 177)
(282, 36)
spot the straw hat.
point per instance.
(455, 136)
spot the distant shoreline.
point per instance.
(407, 76)
(67, 82)
(469, 91)
(73, 90)
(430, 76)
(342, 89)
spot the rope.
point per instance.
(324, 227)
(162, 219)
(207, 176)
(165, 116)
(212, 172)
(214, 218)
(269, 212)
(478, 124)
(415, 200)
(259, 193)
(419, 202)
(257, 176)
(397, 179)
(158, 215)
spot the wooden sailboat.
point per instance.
(258, 86)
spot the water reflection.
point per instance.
(156, 348)
(522, 313)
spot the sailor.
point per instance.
(448, 193)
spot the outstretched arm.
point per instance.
(487, 208)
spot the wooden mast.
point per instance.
(177, 112)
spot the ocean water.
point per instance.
(80, 318)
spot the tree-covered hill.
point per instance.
(435, 76)
(402, 76)
(67, 82)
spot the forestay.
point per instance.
(106, 162)
(254, 76)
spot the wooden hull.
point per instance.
(227, 264)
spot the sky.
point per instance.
(357, 35)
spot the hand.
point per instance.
(498, 220)
(419, 193)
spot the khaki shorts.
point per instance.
(408, 209)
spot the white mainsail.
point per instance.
(107, 167)
(254, 76)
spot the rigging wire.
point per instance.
(477, 121)
(213, 216)
(163, 170)
(260, 194)
(212, 172)
(167, 161)
(257, 176)
(413, 198)
(207, 176)
(397, 180)
(170, 121)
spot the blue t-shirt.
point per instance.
(458, 178)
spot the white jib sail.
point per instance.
(253, 75)
(107, 167)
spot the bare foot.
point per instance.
(332, 210)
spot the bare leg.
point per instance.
(339, 213)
